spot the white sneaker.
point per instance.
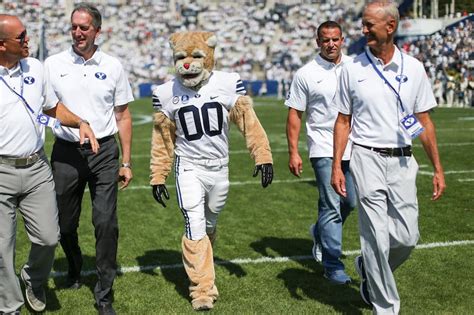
(317, 253)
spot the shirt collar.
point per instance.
(394, 64)
(328, 65)
(95, 59)
(10, 72)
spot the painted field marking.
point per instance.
(244, 261)
(302, 149)
(466, 180)
(295, 180)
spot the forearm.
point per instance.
(162, 147)
(243, 115)
(64, 115)
(125, 135)
(341, 135)
(428, 140)
(293, 128)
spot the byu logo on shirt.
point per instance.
(29, 80)
(100, 75)
(401, 78)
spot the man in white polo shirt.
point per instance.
(312, 90)
(26, 181)
(95, 85)
(384, 99)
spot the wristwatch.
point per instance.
(82, 121)
(127, 165)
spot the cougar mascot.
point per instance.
(191, 126)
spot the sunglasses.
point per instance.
(21, 38)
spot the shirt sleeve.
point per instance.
(298, 95)
(123, 91)
(425, 99)
(49, 98)
(342, 100)
(239, 86)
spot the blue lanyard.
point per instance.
(397, 93)
(21, 90)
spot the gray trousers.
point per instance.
(29, 189)
(388, 220)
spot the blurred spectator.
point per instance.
(256, 41)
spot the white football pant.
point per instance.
(201, 187)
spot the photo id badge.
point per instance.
(412, 125)
(48, 121)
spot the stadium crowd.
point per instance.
(255, 41)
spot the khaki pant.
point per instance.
(30, 189)
(388, 220)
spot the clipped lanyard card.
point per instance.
(411, 125)
(48, 121)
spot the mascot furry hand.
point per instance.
(193, 54)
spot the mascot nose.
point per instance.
(186, 66)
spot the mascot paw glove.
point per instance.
(267, 173)
(159, 191)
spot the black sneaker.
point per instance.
(73, 284)
(106, 309)
(364, 289)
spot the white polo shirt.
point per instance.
(375, 111)
(20, 134)
(90, 89)
(312, 90)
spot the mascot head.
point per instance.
(193, 54)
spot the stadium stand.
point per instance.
(264, 43)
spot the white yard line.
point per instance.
(295, 180)
(302, 149)
(244, 261)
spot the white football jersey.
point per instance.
(201, 117)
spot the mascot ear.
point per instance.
(212, 41)
(174, 39)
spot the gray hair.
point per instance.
(389, 8)
(92, 10)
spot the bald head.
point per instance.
(8, 25)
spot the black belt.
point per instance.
(405, 151)
(85, 144)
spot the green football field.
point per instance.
(263, 250)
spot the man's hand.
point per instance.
(158, 191)
(295, 164)
(267, 173)
(125, 176)
(439, 185)
(338, 181)
(85, 131)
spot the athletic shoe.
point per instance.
(73, 284)
(364, 289)
(106, 309)
(317, 253)
(36, 297)
(337, 277)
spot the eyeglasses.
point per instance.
(21, 38)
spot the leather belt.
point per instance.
(85, 144)
(21, 162)
(405, 151)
